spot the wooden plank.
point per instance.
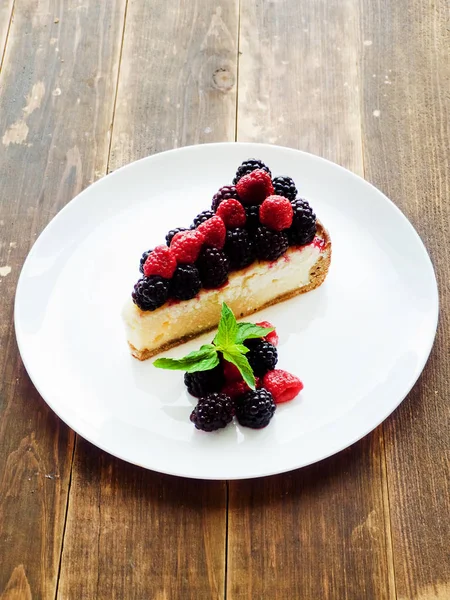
(6, 11)
(317, 532)
(406, 122)
(131, 532)
(56, 64)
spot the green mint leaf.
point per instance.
(205, 365)
(228, 328)
(241, 348)
(200, 360)
(247, 331)
(234, 356)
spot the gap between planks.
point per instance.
(11, 15)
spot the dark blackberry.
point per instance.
(172, 233)
(252, 214)
(143, 259)
(255, 408)
(248, 166)
(150, 292)
(213, 266)
(262, 356)
(269, 245)
(213, 412)
(202, 383)
(303, 228)
(239, 248)
(285, 186)
(201, 218)
(225, 193)
(185, 283)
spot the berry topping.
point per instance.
(235, 389)
(214, 231)
(276, 213)
(161, 262)
(282, 385)
(255, 187)
(271, 337)
(173, 232)
(262, 356)
(285, 186)
(252, 214)
(186, 245)
(231, 372)
(270, 245)
(213, 412)
(201, 383)
(225, 193)
(213, 266)
(142, 261)
(150, 292)
(201, 218)
(248, 166)
(255, 409)
(232, 212)
(303, 228)
(185, 283)
(239, 248)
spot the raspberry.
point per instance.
(252, 214)
(271, 337)
(239, 248)
(213, 412)
(262, 356)
(202, 383)
(201, 218)
(214, 231)
(170, 235)
(235, 389)
(232, 212)
(185, 283)
(231, 372)
(255, 409)
(144, 257)
(270, 245)
(254, 187)
(150, 292)
(213, 266)
(248, 166)
(276, 213)
(303, 228)
(285, 186)
(160, 262)
(282, 385)
(186, 245)
(225, 193)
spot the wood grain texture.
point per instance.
(134, 533)
(318, 532)
(406, 124)
(61, 59)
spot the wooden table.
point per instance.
(88, 86)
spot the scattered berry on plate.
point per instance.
(255, 187)
(225, 193)
(262, 356)
(186, 245)
(202, 383)
(271, 337)
(160, 261)
(201, 218)
(170, 235)
(213, 266)
(213, 412)
(231, 372)
(150, 292)
(249, 165)
(214, 232)
(185, 283)
(282, 385)
(276, 213)
(252, 214)
(255, 409)
(303, 228)
(285, 186)
(142, 260)
(270, 245)
(239, 248)
(232, 213)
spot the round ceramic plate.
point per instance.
(358, 343)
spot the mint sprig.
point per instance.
(229, 341)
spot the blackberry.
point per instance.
(262, 356)
(248, 166)
(150, 292)
(285, 186)
(213, 266)
(172, 233)
(303, 228)
(270, 245)
(225, 193)
(239, 248)
(202, 383)
(201, 218)
(143, 259)
(185, 283)
(213, 412)
(255, 408)
(252, 214)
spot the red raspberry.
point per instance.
(276, 213)
(234, 389)
(160, 261)
(186, 245)
(232, 212)
(282, 385)
(231, 372)
(271, 337)
(255, 187)
(214, 231)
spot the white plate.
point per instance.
(359, 342)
